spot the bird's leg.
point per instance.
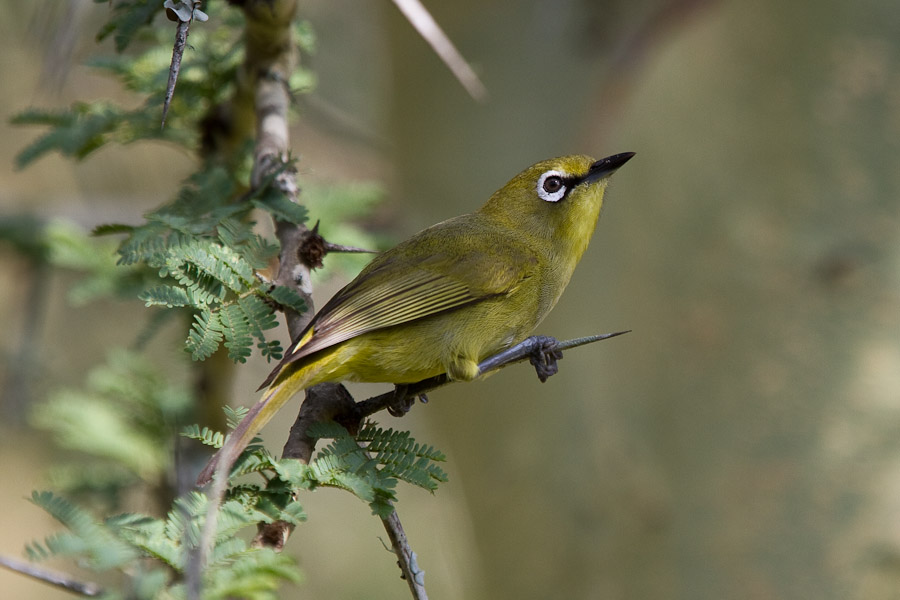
(542, 351)
(543, 356)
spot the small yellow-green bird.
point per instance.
(448, 297)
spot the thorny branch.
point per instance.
(182, 12)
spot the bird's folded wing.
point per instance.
(384, 296)
(390, 302)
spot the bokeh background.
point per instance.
(743, 442)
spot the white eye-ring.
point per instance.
(551, 186)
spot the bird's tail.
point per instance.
(276, 396)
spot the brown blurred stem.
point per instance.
(406, 558)
(59, 580)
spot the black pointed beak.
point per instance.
(606, 166)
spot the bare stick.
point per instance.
(419, 17)
(517, 353)
(83, 588)
(406, 558)
(183, 13)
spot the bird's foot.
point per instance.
(544, 356)
(403, 400)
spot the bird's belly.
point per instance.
(418, 350)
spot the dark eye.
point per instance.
(551, 186)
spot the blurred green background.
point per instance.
(743, 442)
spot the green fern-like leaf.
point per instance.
(236, 328)
(388, 455)
(288, 297)
(258, 314)
(280, 207)
(201, 286)
(258, 251)
(345, 465)
(225, 552)
(183, 522)
(238, 234)
(87, 537)
(209, 266)
(112, 229)
(75, 133)
(84, 128)
(202, 203)
(166, 295)
(402, 457)
(254, 459)
(387, 440)
(272, 350)
(205, 335)
(206, 436)
(145, 244)
(149, 536)
(417, 472)
(254, 574)
(234, 516)
(234, 415)
(127, 17)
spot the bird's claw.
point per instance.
(403, 401)
(544, 357)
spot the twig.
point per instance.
(419, 17)
(517, 353)
(406, 558)
(330, 247)
(83, 588)
(183, 12)
(526, 347)
(181, 33)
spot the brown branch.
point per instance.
(325, 402)
(182, 12)
(181, 33)
(53, 578)
(406, 558)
